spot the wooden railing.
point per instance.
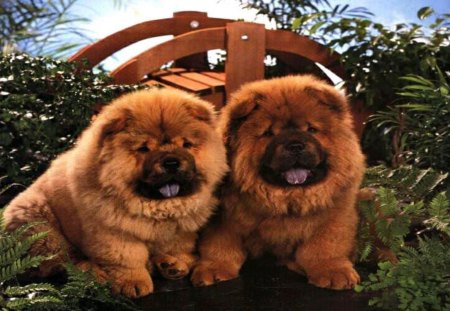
(246, 45)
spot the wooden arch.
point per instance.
(195, 33)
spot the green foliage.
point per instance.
(428, 128)
(419, 281)
(80, 292)
(305, 16)
(409, 182)
(13, 252)
(418, 126)
(439, 214)
(418, 278)
(397, 71)
(405, 197)
(376, 56)
(40, 27)
(44, 104)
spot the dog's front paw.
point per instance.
(334, 275)
(132, 283)
(206, 275)
(171, 267)
(90, 267)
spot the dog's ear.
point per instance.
(329, 97)
(113, 121)
(240, 109)
(237, 112)
(201, 112)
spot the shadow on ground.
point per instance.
(262, 286)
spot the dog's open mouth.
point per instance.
(170, 190)
(168, 187)
(296, 176)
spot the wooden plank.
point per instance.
(214, 83)
(176, 70)
(165, 72)
(214, 74)
(245, 54)
(157, 83)
(184, 83)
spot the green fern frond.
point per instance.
(14, 291)
(388, 202)
(14, 247)
(19, 235)
(19, 249)
(410, 183)
(368, 210)
(365, 252)
(46, 302)
(419, 281)
(439, 212)
(19, 266)
(440, 206)
(427, 181)
(82, 289)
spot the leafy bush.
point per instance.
(44, 104)
(80, 292)
(420, 126)
(304, 16)
(418, 281)
(376, 56)
(407, 227)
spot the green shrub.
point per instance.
(408, 224)
(44, 104)
(79, 292)
(419, 281)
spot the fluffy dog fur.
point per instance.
(137, 184)
(296, 166)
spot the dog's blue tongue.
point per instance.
(296, 176)
(169, 190)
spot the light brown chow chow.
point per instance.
(138, 184)
(296, 166)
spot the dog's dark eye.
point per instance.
(187, 144)
(143, 149)
(311, 129)
(268, 133)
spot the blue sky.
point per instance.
(106, 17)
(394, 11)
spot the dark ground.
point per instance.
(262, 286)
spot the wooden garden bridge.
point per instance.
(194, 33)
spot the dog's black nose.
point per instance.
(171, 164)
(295, 147)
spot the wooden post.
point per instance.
(245, 54)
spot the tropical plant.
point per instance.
(41, 27)
(305, 16)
